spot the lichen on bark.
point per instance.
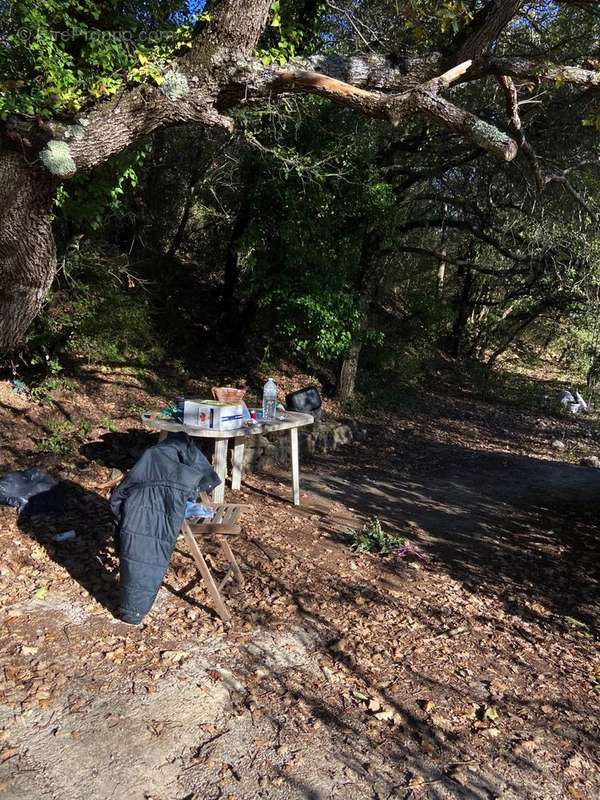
(57, 159)
(175, 85)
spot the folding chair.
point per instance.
(224, 523)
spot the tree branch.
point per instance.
(484, 29)
(516, 128)
(541, 180)
(458, 262)
(527, 68)
(254, 83)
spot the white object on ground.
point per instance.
(65, 536)
(576, 405)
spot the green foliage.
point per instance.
(64, 437)
(42, 392)
(372, 538)
(291, 31)
(61, 439)
(88, 200)
(85, 427)
(59, 56)
(108, 424)
(101, 312)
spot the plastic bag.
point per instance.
(194, 510)
(31, 490)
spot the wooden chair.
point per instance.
(223, 525)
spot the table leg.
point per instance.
(238, 463)
(220, 465)
(295, 465)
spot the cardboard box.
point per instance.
(212, 414)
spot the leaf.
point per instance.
(491, 713)
(41, 592)
(173, 656)
(6, 754)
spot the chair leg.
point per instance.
(213, 591)
(232, 560)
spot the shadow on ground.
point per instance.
(89, 558)
(496, 521)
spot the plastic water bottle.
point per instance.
(269, 403)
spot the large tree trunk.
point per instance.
(27, 250)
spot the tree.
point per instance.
(67, 106)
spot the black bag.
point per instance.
(305, 400)
(31, 491)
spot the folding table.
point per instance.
(294, 420)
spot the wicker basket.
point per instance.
(227, 394)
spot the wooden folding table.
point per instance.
(293, 421)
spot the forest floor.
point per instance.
(474, 675)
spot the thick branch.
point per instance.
(393, 74)
(442, 256)
(254, 82)
(484, 29)
(516, 128)
(111, 127)
(527, 68)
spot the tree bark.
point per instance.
(349, 371)
(27, 250)
(370, 274)
(456, 338)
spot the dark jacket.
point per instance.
(149, 507)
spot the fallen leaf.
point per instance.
(5, 755)
(173, 656)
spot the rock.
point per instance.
(558, 445)
(342, 435)
(590, 461)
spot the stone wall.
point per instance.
(325, 436)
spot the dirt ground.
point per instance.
(475, 675)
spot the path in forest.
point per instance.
(346, 676)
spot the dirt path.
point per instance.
(345, 675)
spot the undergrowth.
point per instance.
(373, 538)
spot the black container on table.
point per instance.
(307, 401)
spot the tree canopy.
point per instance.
(345, 160)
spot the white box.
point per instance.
(212, 414)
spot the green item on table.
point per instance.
(170, 412)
